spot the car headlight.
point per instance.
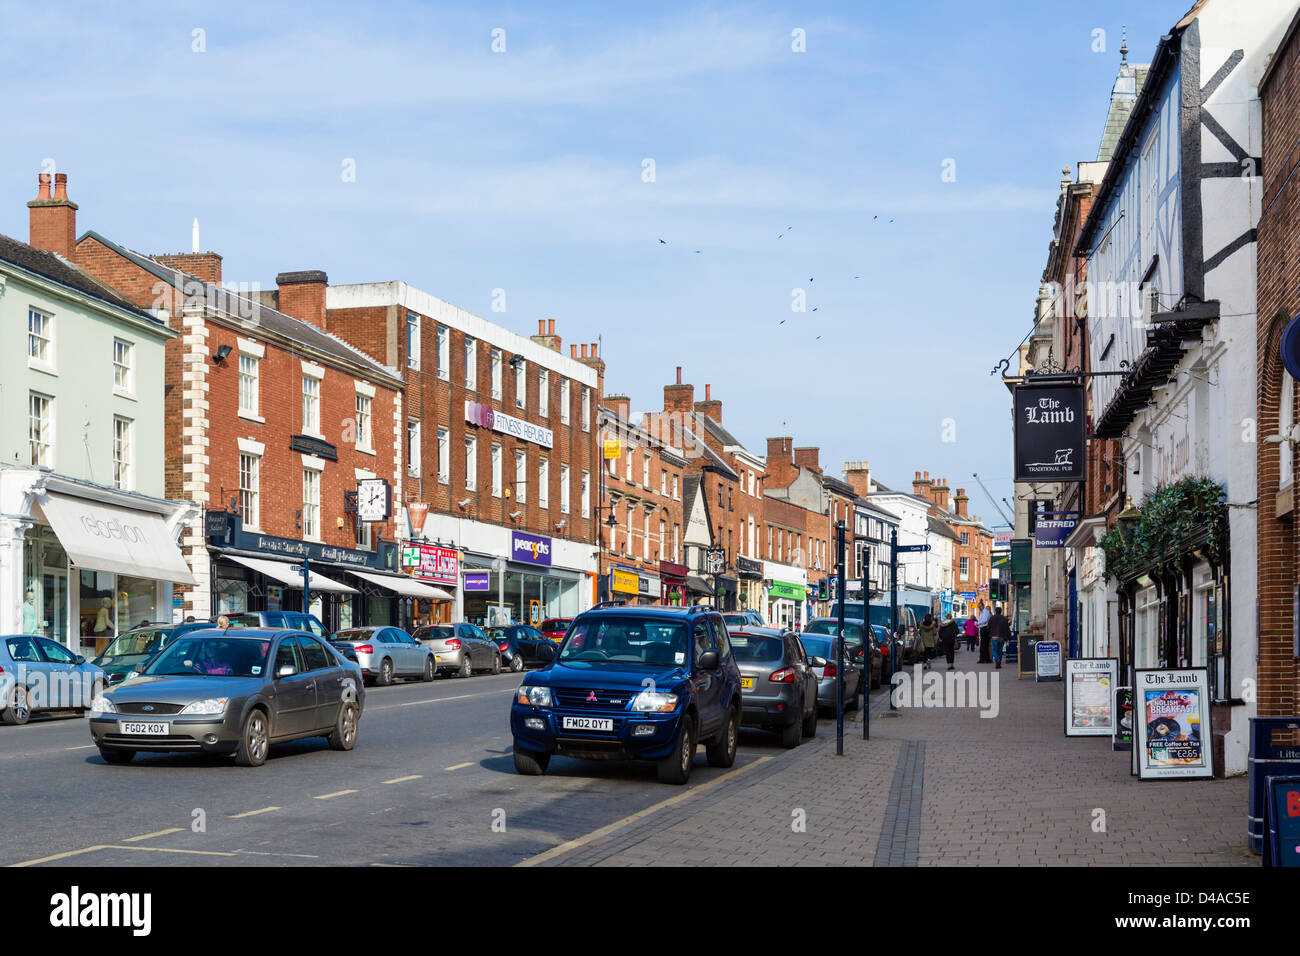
(209, 705)
(102, 705)
(534, 696)
(654, 702)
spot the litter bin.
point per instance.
(1267, 759)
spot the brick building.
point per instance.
(642, 489)
(502, 437)
(272, 426)
(1278, 689)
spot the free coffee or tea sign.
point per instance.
(1050, 432)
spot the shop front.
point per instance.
(437, 568)
(81, 563)
(346, 587)
(749, 588)
(785, 594)
(672, 583)
(624, 585)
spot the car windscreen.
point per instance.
(817, 646)
(555, 624)
(132, 644)
(498, 634)
(627, 639)
(755, 649)
(354, 634)
(852, 632)
(736, 618)
(212, 657)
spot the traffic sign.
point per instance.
(913, 547)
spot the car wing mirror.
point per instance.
(709, 661)
(816, 662)
(286, 670)
(79, 659)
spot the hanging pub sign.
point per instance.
(1089, 696)
(1049, 432)
(1172, 723)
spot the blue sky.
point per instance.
(522, 170)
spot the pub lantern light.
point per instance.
(1127, 520)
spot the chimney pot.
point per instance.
(584, 350)
(593, 349)
(708, 391)
(60, 185)
(573, 351)
(550, 326)
(43, 186)
(541, 326)
(679, 375)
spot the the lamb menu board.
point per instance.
(1172, 723)
(1089, 696)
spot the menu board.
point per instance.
(1089, 696)
(1172, 722)
(1047, 660)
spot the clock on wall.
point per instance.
(373, 499)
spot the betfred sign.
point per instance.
(1050, 433)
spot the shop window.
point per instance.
(45, 585)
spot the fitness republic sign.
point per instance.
(486, 417)
(1050, 432)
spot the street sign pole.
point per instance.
(867, 635)
(306, 584)
(839, 665)
(893, 607)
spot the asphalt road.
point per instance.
(430, 782)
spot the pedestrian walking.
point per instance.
(948, 639)
(1000, 632)
(928, 636)
(971, 632)
(985, 615)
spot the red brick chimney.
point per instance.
(858, 475)
(808, 457)
(546, 336)
(302, 295)
(590, 359)
(620, 405)
(679, 398)
(201, 265)
(961, 500)
(780, 462)
(921, 486)
(939, 494)
(53, 219)
(711, 406)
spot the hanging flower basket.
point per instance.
(1178, 518)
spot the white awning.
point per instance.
(284, 573)
(407, 587)
(104, 537)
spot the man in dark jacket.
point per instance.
(999, 631)
(948, 639)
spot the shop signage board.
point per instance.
(1172, 723)
(430, 563)
(715, 560)
(780, 589)
(530, 548)
(485, 416)
(1053, 527)
(1047, 661)
(1090, 696)
(1049, 433)
(478, 580)
(613, 449)
(624, 582)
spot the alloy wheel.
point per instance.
(257, 737)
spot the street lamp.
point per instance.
(1127, 521)
(610, 522)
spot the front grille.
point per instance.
(155, 709)
(605, 700)
(141, 742)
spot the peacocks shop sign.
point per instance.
(1050, 432)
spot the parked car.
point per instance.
(133, 648)
(40, 674)
(234, 692)
(743, 619)
(556, 627)
(521, 645)
(295, 620)
(852, 643)
(827, 648)
(384, 653)
(460, 649)
(636, 682)
(778, 683)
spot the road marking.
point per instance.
(168, 849)
(60, 856)
(460, 766)
(150, 836)
(414, 776)
(337, 793)
(407, 865)
(439, 700)
(85, 747)
(639, 815)
(305, 856)
(252, 813)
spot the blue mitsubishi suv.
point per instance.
(639, 683)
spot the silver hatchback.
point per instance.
(385, 653)
(460, 649)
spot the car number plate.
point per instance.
(588, 723)
(437, 658)
(747, 683)
(141, 729)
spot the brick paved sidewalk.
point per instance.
(943, 787)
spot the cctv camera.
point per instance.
(465, 503)
(515, 514)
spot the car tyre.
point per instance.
(531, 764)
(344, 734)
(676, 767)
(385, 673)
(793, 735)
(429, 670)
(466, 668)
(496, 664)
(722, 752)
(18, 710)
(810, 723)
(517, 663)
(254, 740)
(114, 756)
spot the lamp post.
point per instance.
(611, 522)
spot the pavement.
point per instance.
(939, 786)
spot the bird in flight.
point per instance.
(663, 242)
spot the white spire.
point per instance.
(194, 236)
